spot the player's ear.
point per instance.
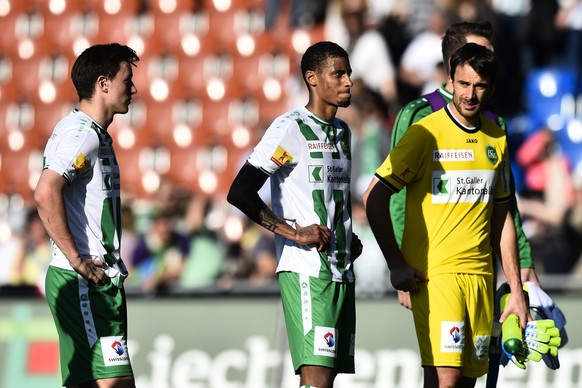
(102, 83)
(311, 77)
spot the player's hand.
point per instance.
(92, 270)
(404, 299)
(541, 337)
(516, 305)
(313, 234)
(406, 278)
(356, 247)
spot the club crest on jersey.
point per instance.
(491, 153)
(281, 156)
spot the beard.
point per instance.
(470, 115)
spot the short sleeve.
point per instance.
(280, 146)
(72, 153)
(406, 160)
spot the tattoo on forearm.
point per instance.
(269, 221)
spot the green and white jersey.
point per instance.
(309, 164)
(82, 152)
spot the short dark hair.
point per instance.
(480, 58)
(98, 60)
(456, 37)
(316, 55)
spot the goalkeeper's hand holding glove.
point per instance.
(540, 337)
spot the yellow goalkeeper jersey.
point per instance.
(453, 174)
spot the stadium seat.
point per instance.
(7, 38)
(547, 91)
(60, 34)
(570, 140)
(105, 7)
(21, 170)
(46, 116)
(162, 7)
(130, 171)
(160, 123)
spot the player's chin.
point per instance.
(344, 103)
(124, 109)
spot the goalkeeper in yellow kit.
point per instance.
(456, 36)
(455, 166)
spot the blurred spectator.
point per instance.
(574, 219)
(393, 28)
(548, 199)
(541, 38)
(418, 12)
(467, 10)
(526, 36)
(370, 268)
(545, 167)
(509, 17)
(304, 13)
(259, 250)
(159, 255)
(370, 58)
(34, 256)
(370, 134)
(129, 236)
(421, 67)
(569, 20)
(206, 259)
(252, 257)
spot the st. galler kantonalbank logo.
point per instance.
(316, 174)
(441, 186)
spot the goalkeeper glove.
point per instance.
(541, 338)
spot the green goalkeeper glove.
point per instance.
(539, 338)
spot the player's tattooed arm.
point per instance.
(269, 220)
(243, 194)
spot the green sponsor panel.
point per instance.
(239, 342)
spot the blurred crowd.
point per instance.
(179, 240)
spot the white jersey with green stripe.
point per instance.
(82, 152)
(309, 164)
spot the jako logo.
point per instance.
(329, 339)
(456, 334)
(117, 347)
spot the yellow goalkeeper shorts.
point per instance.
(453, 315)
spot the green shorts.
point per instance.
(320, 317)
(91, 322)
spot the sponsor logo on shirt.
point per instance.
(111, 181)
(452, 336)
(453, 155)
(81, 164)
(316, 174)
(281, 156)
(324, 341)
(481, 350)
(468, 186)
(336, 174)
(321, 146)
